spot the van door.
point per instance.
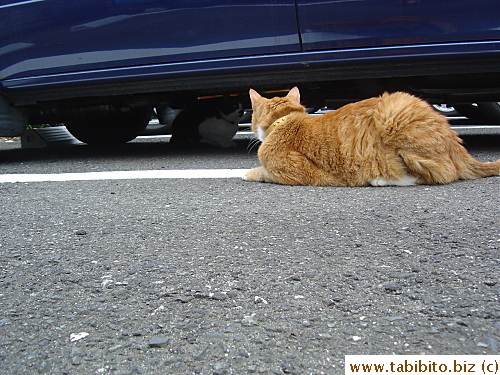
(60, 36)
(339, 24)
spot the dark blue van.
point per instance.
(103, 65)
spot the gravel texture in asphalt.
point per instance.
(224, 276)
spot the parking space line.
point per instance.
(125, 175)
(482, 127)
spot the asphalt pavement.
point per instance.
(222, 276)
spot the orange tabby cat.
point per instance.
(394, 139)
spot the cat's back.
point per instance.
(352, 112)
(396, 101)
(347, 121)
(390, 115)
(384, 112)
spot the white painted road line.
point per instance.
(482, 127)
(125, 175)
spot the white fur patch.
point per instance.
(261, 134)
(404, 181)
(218, 132)
(233, 117)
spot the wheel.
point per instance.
(486, 112)
(109, 129)
(491, 111)
(446, 110)
(166, 116)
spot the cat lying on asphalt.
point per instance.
(210, 121)
(394, 139)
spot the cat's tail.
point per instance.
(451, 163)
(466, 166)
(471, 168)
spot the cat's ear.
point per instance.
(294, 94)
(254, 97)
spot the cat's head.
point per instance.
(266, 111)
(231, 109)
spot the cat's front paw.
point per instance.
(379, 182)
(403, 181)
(254, 175)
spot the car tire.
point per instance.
(446, 110)
(491, 111)
(485, 112)
(109, 129)
(468, 110)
